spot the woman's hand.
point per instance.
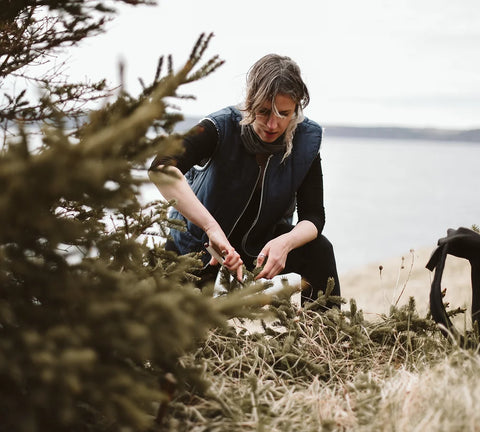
(231, 258)
(276, 251)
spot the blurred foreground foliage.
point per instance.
(94, 313)
(33, 80)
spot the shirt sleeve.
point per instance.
(198, 146)
(310, 205)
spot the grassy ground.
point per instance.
(333, 371)
(301, 370)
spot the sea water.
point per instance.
(385, 197)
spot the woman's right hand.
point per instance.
(173, 186)
(232, 260)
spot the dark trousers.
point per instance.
(314, 262)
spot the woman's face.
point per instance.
(267, 125)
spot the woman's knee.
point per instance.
(322, 245)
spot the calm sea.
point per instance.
(385, 197)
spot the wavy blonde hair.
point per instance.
(272, 75)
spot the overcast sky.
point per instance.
(366, 62)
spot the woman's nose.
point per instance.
(272, 121)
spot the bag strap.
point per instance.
(437, 308)
(463, 243)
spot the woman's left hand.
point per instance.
(275, 252)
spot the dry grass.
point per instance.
(334, 371)
(328, 372)
(402, 277)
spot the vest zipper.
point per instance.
(246, 205)
(244, 239)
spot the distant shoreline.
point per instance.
(470, 135)
(380, 132)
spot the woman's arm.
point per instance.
(311, 216)
(173, 186)
(310, 204)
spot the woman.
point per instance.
(257, 164)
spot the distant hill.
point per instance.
(471, 135)
(387, 132)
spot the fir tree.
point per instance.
(94, 313)
(32, 33)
